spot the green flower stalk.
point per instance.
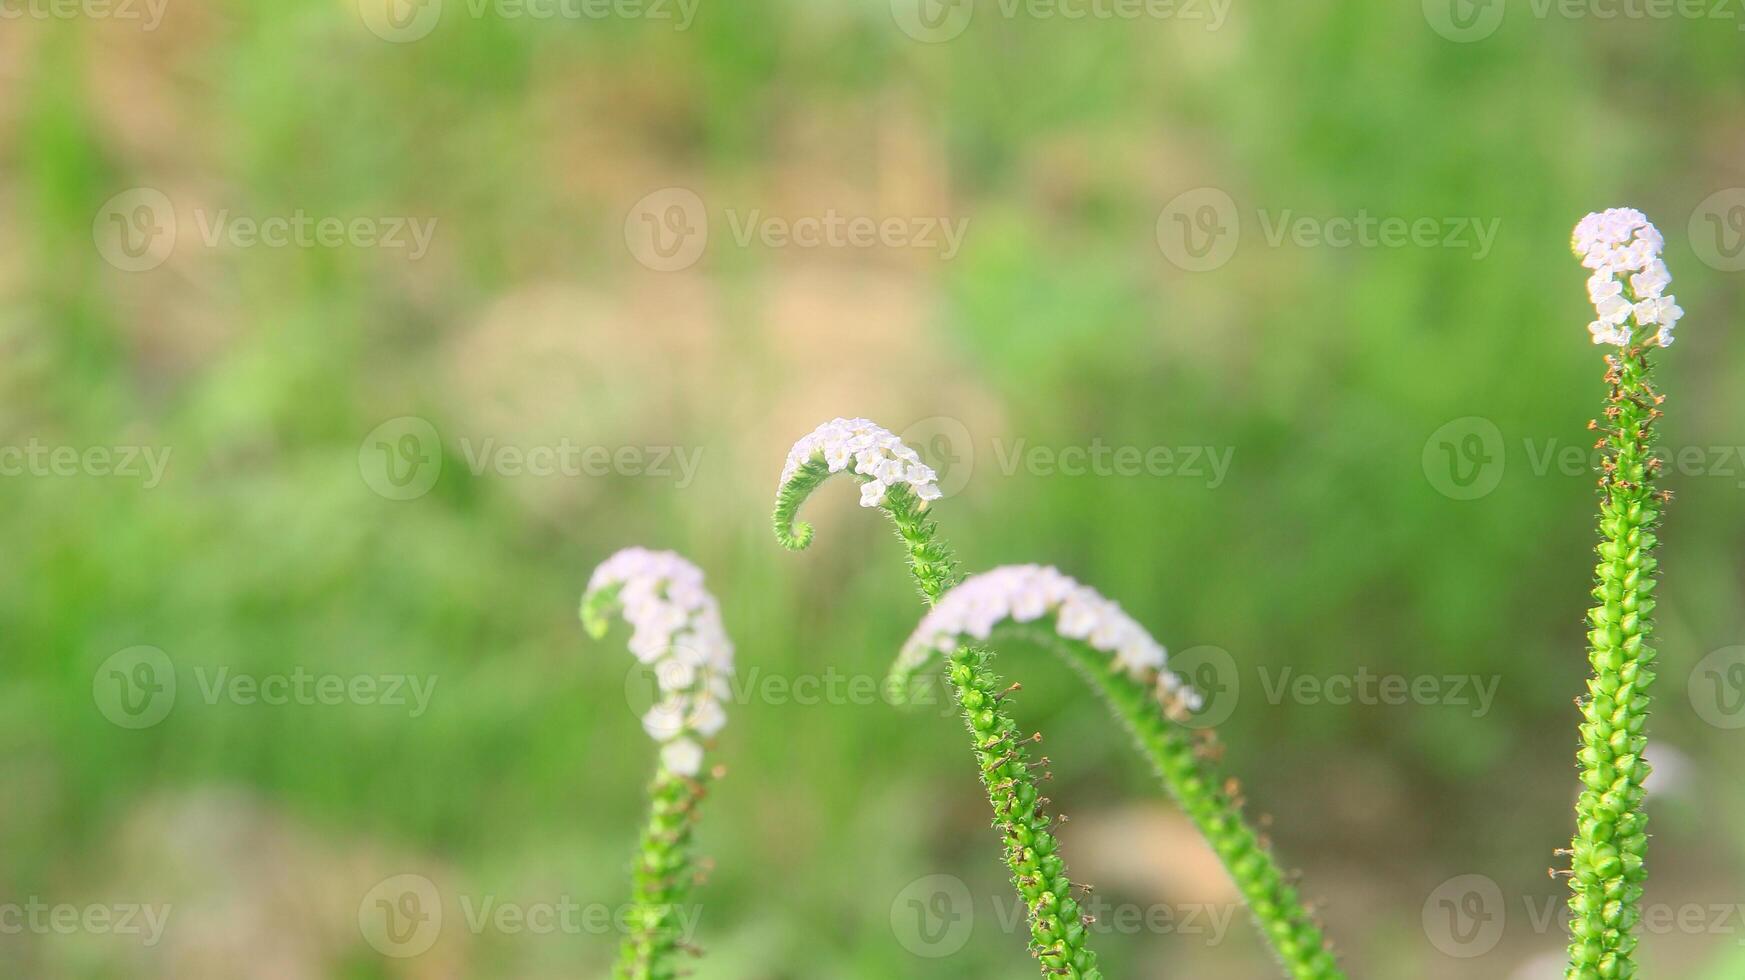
(897, 481)
(1187, 771)
(677, 630)
(1606, 855)
(1128, 668)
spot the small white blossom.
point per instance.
(876, 454)
(1025, 593)
(1623, 242)
(682, 757)
(676, 626)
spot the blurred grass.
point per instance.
(1324, 370)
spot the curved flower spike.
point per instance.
(894, 479)
(1029, 593)
(864, 448)
(1606, 853)
(676, 627)
(1623, 242)
(1125, 681)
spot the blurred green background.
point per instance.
(1387, 411)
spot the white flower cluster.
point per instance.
(871, 451)
(1617, 242)
(1025, 593)
(676, 627)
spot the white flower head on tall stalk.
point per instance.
(676, 629)
(868, 450)
(1030, 593)
(1629, 280)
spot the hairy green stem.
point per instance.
(1058, 930)
(663, 877)
(1213, 802)
(1606, 854)
(1189, 773)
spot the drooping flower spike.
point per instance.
(1029, 593)
(1130, 669)
(1187, 773)
(863, 448)
(1607, 851)
(676, 628)
(1622, 242)
(894, 479)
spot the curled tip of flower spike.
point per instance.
(1620, 242)
(676, 629)
(1032, 593)
(885, 466)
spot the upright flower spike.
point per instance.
(1606, 854)
(1629, 280)
(1130, 669)
(677, 630)
(1189, 774)
(894, 479)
